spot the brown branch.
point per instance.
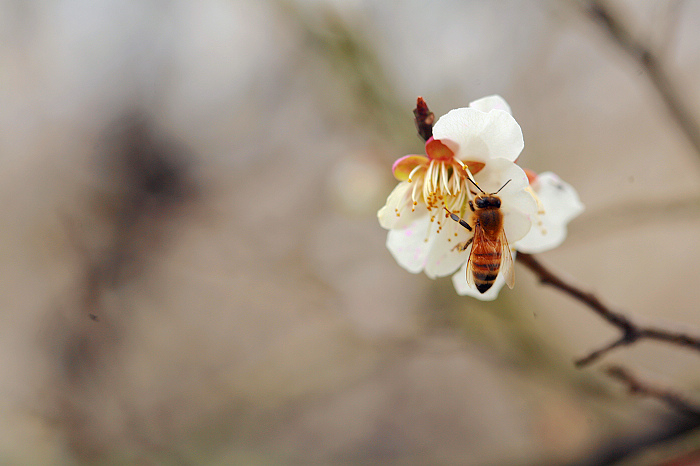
(639, 387)
(594, 355)
(649, 61)
(668, 427)
(631, 332)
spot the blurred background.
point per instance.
(192, 270)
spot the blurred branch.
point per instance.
(639, 387)
(348, 47)
(626, 448)
(620, 34)
(631, 332)
(667, 428)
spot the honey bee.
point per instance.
(490, 250)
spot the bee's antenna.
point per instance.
(503, 186)
(477, 186)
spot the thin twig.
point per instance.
(639, 387)
(631, 332)
(651, 62)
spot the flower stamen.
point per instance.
(443, 173)
(413, 172)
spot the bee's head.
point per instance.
(484, 201)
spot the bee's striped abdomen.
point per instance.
(486, 262)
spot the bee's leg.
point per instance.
(461, 221)
(471, 206)
(464, 245)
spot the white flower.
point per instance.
(480, 142)
(418, 247)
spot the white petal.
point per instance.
(497, 172)
(459, 280)
(443, 258)
(519, 211)
(558, 197)
(410, 246)
(400, 199)
(478, 136)
(542, 238)
(492, 102)
(561, 204)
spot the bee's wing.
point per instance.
(507, 261)
(470, 275)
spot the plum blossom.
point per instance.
(479, 143)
